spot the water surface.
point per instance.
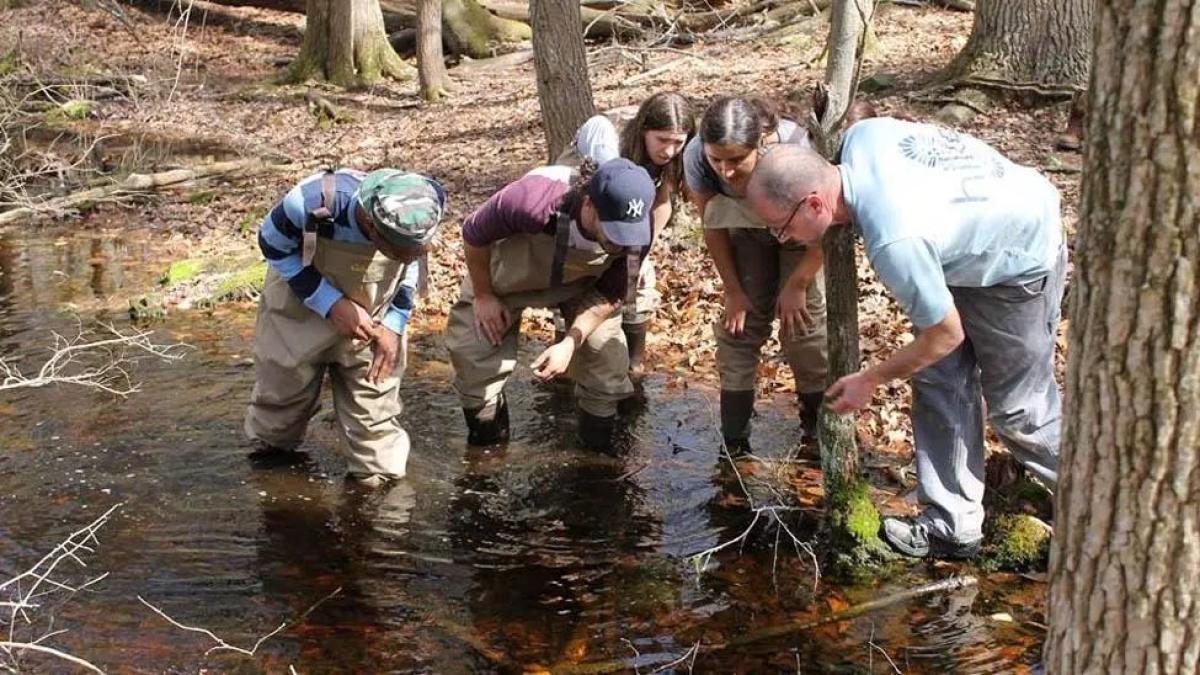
(537, 557)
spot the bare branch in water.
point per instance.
(222, 645)
(700, 560)
(101, 364)
(38, 582)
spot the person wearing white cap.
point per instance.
(345, 252)
(543, 241)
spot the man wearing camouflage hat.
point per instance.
(345, 253)
(553, 238)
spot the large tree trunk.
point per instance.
(1124, 596)
(344, 42)
(469, 28)
(1041, 46)
(564, 91)
(854, 522)
(431, 67)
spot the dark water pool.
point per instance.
(539, 558)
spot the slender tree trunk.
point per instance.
(1037, 45)
(345, 43)
(431, 67)
(564, 91)
(854, 521)
(1124, 596)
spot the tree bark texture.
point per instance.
(839, 447)
(1124, 590)
(564, 90)
(345, 43)
(431, 67)
(469, 28)
(1043, 46)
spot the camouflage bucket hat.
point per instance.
(405, 207)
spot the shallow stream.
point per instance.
(540, 557)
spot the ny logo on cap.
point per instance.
(634, 210)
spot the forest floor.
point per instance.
(209, 93)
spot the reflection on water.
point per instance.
(539, 556)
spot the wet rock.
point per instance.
(1016, 543)
(149, 307)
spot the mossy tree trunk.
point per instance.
(564, 90)
(1124, 596)
(1036, 45)
(854, 521)
(431, 67)
(345, 43)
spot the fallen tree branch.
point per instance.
(67, 364)
(222, 644)
(943, 586)
(470, 66)
(654, 72)
(30, 646)
(138, 183)
(27, 587)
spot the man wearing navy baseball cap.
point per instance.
(556, 237)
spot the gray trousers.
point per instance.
(1007, 361)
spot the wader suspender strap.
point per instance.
(318, 216)
(633, 267)
(562, 242)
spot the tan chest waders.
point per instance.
(294, 347)
(546, 271)
(763, 268)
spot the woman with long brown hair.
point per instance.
(763, 278)
(653, 139)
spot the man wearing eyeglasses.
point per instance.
(971, 245)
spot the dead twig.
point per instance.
(870, 655)
(701, 560)
(73, 361)
(137, 184)
(944, 586)
(222, 644)
(26, 590)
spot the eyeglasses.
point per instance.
(779, 229)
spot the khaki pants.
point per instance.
(293, 350)
(647, 298)
(763, 267)
(600, 367)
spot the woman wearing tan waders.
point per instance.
(542, 242)
(344, 251)
(763, 279)
(653, 139)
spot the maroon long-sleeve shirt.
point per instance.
(528, 206)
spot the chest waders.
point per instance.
(763, 267)
(556, 270)
(294, 347)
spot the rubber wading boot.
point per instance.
(737, 407)
(635, 338)
(596, 433)
(488, 425)
(810, 413)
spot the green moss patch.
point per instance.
(71, 110)
(1016, 543)
(10, 62)
(202, 197)
(854, 530)
(243, 284)
(183, 270)
(149, 307)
